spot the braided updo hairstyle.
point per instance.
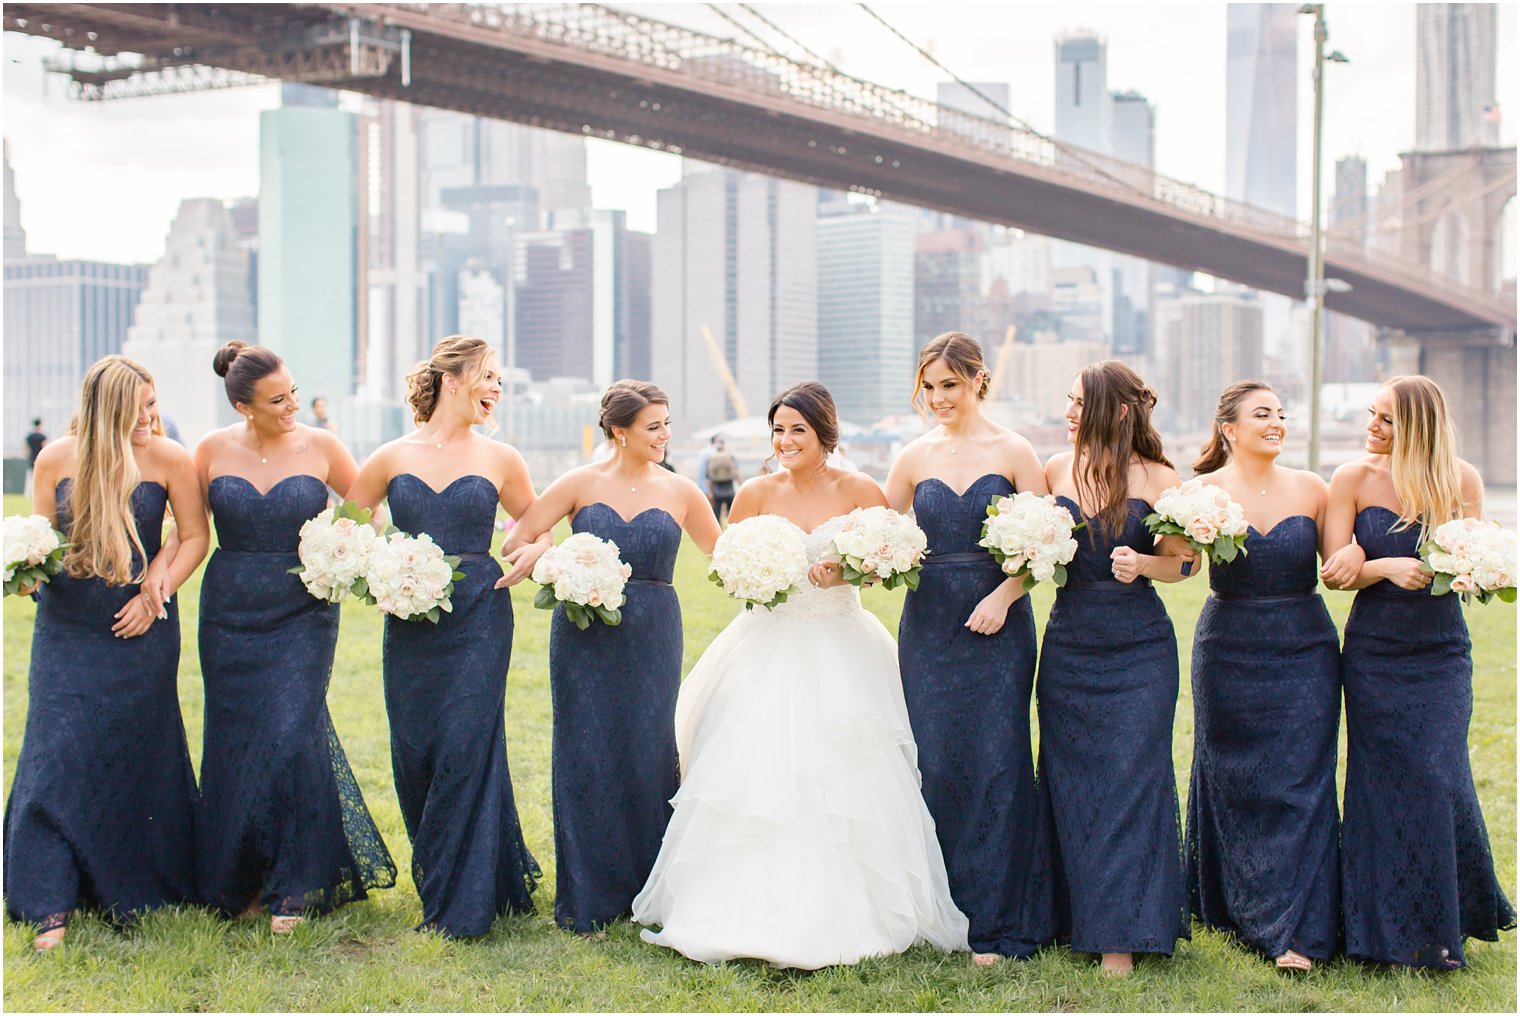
(459, 355)
(624, 400)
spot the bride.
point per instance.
(799, 835)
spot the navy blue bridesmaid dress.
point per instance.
(282, 820)
(968, 700)
(1263, 832)
(1107, 692)
(102, 807)
(445, 694)
(615, 766)
(1417, 876)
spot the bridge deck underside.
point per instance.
(530, 81)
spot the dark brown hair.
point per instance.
(1216, 450)
(625, 400)
(813, 401)
(458, 355)
(1109, 436)
(961, 353)
(241, 366)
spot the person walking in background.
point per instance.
(721, 476)
(319, 417)
(34, 442)
(703, 457)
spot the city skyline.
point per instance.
(165, 149)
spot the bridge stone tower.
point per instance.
(1453, 221)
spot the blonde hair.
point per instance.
(1423, 459)
(962, 354)
(459, 355)
(102, 527)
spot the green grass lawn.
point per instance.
(367, 957)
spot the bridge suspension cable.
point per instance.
(1069, 151)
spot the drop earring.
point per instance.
(623, 441)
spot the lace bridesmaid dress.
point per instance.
(1263, 829)
(1107, 692)
(615, 767)
(101, 810)
(968, 696)
(1417, 876)
(799, 835)
(282, 819)
(445, 694)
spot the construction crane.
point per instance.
(1000, 371)
(720, 363)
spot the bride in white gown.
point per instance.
(799, 835)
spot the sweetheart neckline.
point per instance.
(1278, 524)
(961, 495)
(447, 487)
(271, 490)
(619, 515)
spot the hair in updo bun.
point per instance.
(242, 366)
(458, 355)
(624, 400)
(962, 354)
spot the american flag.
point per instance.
(1491, 114)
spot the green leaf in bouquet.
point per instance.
(433, 615)
(457, 576)
(1028, 579)
(1507, 594)
(714, 578)
(912, 579)
(1428, 547)
(1441, 586)
(12, 584)
(544, 599)
(577, 613)
(1426, 568)
(852, 575)
(611, 618)
(1059, 578)
(1224, 550)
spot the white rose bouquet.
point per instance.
(411, 577)
(587, 576)
(879, 543)
(334, 552)
(1471, 556)
(33, 551)
(759, 561)
(1212, 522)
(1030, 535)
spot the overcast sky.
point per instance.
(103, 180)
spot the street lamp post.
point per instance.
(1314, 285)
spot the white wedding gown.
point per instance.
(799, 836)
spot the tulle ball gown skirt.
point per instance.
(799, 835)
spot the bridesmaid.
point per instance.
(1107, 685)
(615, 767)
(1417, 876)
(101, 810)
(283, 825)
(1263, 831)
(966, 646)
(446, 683)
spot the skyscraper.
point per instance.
(60, 317)
(1261, 137)
(196, 299)
(865, 308)
(578, 308)
(735, 254)
(1261, 106)
(15, 236)
(308, 224)
(1220, 341)
(947, 282)
(1349, 343)
(1134, 141)
(1454, 73)
(1084, 108)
